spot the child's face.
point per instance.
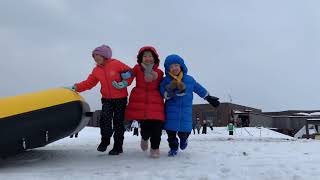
(98, 59)
(147, 58)
(175, 69)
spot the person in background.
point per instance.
(211, 126)
(194, 127)
(230, 128)
(204, 127)
(135, 126)
(198, 126)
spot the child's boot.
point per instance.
(154, 153)
(117, 148)
(144, 145)
(173, 152)
(183, 143)
(105, 141)
(173, 144)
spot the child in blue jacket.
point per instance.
(177, 88)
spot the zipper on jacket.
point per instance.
(180, 119)
(105, 75)
(146, 101)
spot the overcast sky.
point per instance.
(263, 54)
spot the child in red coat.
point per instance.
(145, 102)
(114, 96)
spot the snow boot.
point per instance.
(144, 145)
(117, 148)
(104, 144)
(172, 152)
(183, 144)
(115, 151)
(154, 153)
(173, 143)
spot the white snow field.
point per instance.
(252, 153)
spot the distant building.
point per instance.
(287, 122)
(291, 121)
(219, 116)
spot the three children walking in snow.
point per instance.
(146, 101)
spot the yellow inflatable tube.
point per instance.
(36, 119)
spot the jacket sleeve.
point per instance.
(135, 70)
(160, 75)
(200, 90)
(87, 84)
(125, 68)
(163, 85)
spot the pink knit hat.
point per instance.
(103, 50)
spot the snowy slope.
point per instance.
(212, 156)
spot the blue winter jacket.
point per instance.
(179, 108)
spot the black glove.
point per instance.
(214, 101)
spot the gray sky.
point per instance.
(265, 54)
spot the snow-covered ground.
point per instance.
(252, 153)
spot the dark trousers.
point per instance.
(112, 119)
(136, 132)
(198, 129)
(204, 130)
(173, 140)
(151, 129)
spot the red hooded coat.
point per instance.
(145, 101)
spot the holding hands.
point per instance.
(120, 85)
(126, 75)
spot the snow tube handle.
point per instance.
(89, 114)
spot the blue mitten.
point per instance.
(126, 75)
